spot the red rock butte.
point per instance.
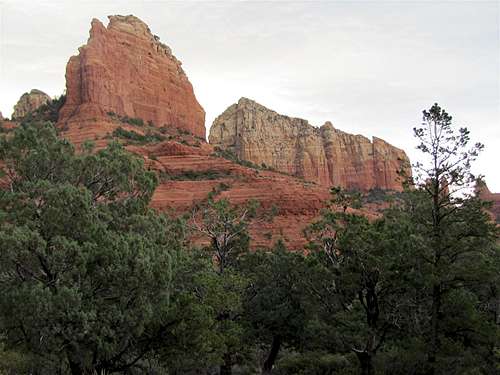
(125, 69)
(127, 86)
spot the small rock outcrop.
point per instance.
(324, 155)
(29, 102)
(125, 69)
(484, 192)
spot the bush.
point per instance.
(314, 363)
(133, 121)
(129, 120)
(377, 195)
(209, 174)
(229, 155)
(136, 137)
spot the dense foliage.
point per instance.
(94, 281)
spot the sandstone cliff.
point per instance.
(125, 69)
(29, 102)
(324, 155)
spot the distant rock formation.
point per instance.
(482, 190)
(324, 155)
(29, 102)
(126, 70)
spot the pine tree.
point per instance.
(457, 237)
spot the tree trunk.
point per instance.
(273, 354)
(365, 362)
(75, 368)
(434, 344)
(227, 367)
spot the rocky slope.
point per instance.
(188, 167)
(197, 171)
(324, 155)
(125, 69)
(127, 86)
(29, 102)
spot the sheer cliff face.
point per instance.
(324, 155)
(29, 102)
(126, 70)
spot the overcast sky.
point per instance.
(369, 67)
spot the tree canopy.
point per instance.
(93, 280)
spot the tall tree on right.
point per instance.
(457, 248)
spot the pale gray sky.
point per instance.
(369, 67)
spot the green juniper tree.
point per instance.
(226, 227)
(85, 265)
(273, 305)
(357, 278)
(193, 342)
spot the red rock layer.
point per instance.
(324, 155)
(125, 69)
(297, 202)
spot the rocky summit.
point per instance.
(124, 69)
(324, 155)
(29, 102)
